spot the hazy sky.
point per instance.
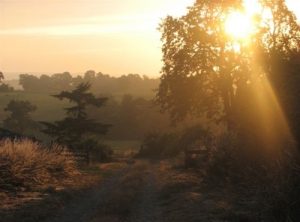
(112, 36)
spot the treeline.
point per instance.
(130, 108)
(133, 84)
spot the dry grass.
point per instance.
(26, 164)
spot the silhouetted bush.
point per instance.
(96, 151)
(272, 182)
(165, 145)
(160, 145)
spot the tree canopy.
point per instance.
(19, 119)
(206, 70)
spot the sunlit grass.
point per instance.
(26, 164)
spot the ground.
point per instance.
(131, 191)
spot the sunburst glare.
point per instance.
(240, 24)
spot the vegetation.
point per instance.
(232, 81)
(4, 87)
(77, 130)
(134, 84)
(19, 119)
(129, 109)
(159, 145)
(27, 165)
(232, 99)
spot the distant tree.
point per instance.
(61, 81)
(1, 76)
(89, 76)
(76, 129)
(19, 119)
(4, 87)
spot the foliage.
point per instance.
(133, 84)
(1, 76)
(25, 164)
(195, 134)
(201, 65)
(132, 118)
(204, 73)
(207, 72)
(6, 88)
(44, 83)
(97, 151)
(159, 145)
(19, 119)
(170, 144)
(77, 130)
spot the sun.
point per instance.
(239, 25)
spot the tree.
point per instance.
(4, 87)
(278, 52)
(205, 69)
(19, 119)
(1, 76)
(76, 129)
(201, 64)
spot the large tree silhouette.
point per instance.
(201, 65)
(205, 70)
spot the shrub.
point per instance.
(170, 144)
(194, 134)
(272, 183)
(101, 153)
(160, 145)
(26, 164)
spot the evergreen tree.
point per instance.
(76, 128)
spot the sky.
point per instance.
(112, 36)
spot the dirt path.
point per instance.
(129, 195)
(84, 208)
(148, 208)
(152, 192)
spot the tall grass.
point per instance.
(26, 164)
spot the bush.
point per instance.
(159, 145)
(272, 183)
(101, 153)
(97, 151)
(165, 145)
(26, 164)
